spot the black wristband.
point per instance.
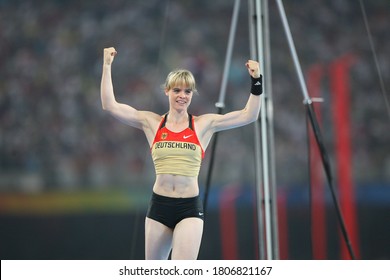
(257, 85)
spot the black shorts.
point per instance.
(170, 211)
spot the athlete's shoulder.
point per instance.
(203, 117)
(205, 122)
(150, 123)
(206, 118)
(151, 115)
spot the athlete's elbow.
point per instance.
(105, 107)
(109, 109)
(108, 106)
(255, 118)
(252, 116)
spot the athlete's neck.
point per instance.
(176, 117)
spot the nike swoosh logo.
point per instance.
(187, 136)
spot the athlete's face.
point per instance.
(179, 96)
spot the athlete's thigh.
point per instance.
(187, 237)
(158, 240)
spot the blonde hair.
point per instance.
(180, 77)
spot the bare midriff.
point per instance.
(176, 185)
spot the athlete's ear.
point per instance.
(166, 91)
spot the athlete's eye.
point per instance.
(188, 91)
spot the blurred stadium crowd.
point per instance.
(55, 136)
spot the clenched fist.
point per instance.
(109, 54)
(253, 68)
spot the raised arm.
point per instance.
(215, 122)
(144, 120)
(122, 112)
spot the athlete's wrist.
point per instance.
(257, 85)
